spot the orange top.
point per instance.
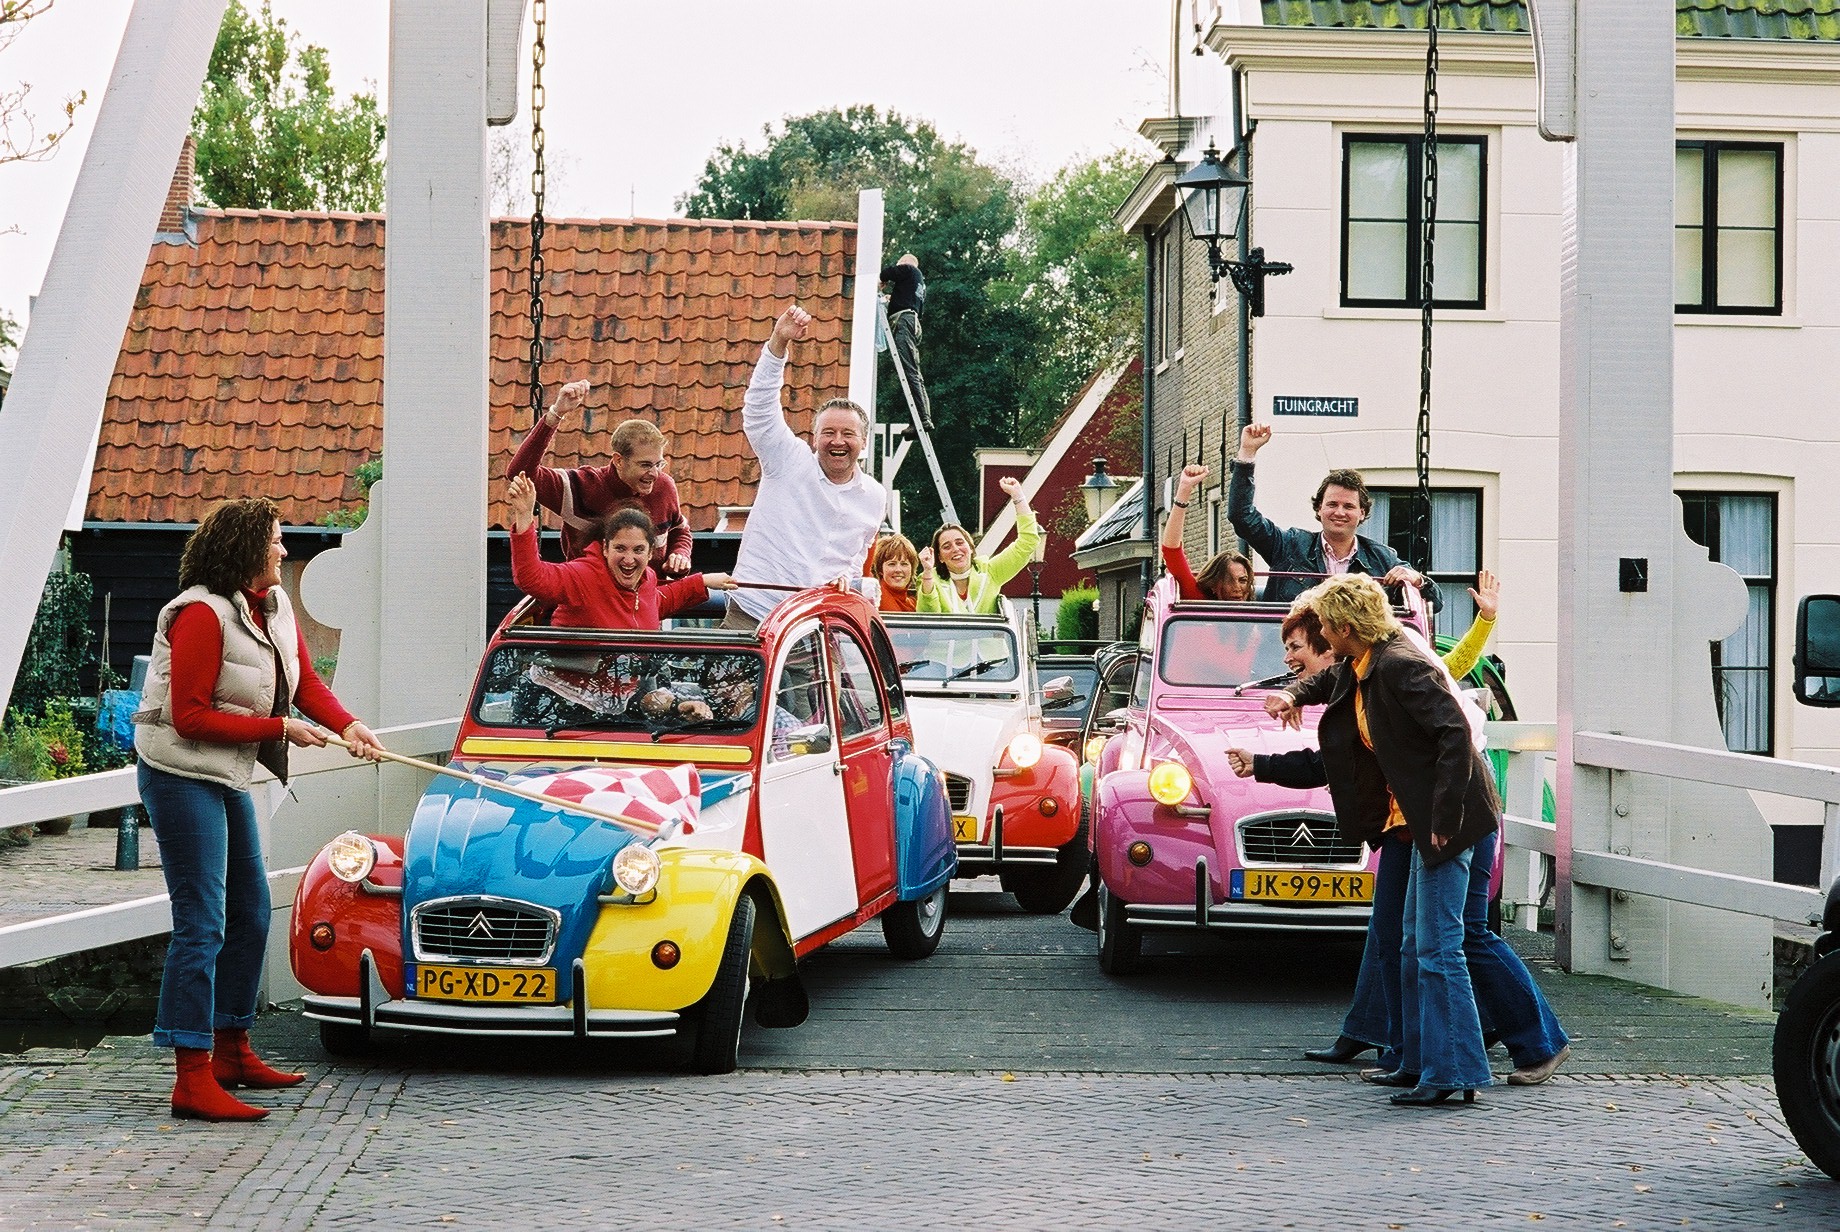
(1394, 818)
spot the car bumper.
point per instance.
(1346, 920)
(375, 1008)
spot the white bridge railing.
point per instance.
(325, 777)
(1527, 837)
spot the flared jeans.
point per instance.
(211, 854)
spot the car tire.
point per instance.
(1806, 1063)
(913, 929)
(1047, 891)
(1120, 944)
(344, 1039)
(720, 1012)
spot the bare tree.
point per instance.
(21, 140)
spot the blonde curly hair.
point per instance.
(1355, 602)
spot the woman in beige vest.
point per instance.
(229, 666)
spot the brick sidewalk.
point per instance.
(85, 1142)
(56, 873)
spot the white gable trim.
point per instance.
(1051, 456)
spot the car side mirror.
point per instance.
(1112, 722)
(1817, 650)
(813, 738)
(1058, 693)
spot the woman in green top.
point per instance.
(963, 584)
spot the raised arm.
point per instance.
(1254, 527)
(763, 419)
(533, 575)
(528, 460)
(1462, 658)
(1012, 559)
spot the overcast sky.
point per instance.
(640, 93)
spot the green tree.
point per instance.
(953, 212)
(272, 134)
(1074, 270)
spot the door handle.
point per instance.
(836, 767)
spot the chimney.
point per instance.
(179, 196)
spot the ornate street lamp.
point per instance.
(1214, 198)
(1099, 490)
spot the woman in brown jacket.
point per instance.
(1398, 752)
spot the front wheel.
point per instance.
(1806, 1063)
(344, 1039)
(718, 1030)
(1120, 944)
(913, 929)
(1046, 890)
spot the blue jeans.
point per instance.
(1510, 1001)
(1442, 1029)
(212, 857)
(1373, 1016)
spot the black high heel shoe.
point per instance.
(1391, 1078)
(1342, 1051)
(1425, 1097)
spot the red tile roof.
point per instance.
(253, 362)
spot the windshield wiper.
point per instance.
(1267, 683)
(977, 669)
(662, 727)
(910, 664)
(608, 722)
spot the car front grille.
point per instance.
(958, 792)
(1296, 838)
(484, 930)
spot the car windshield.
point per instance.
(1221, 653)
(1082, 673)
(554, 687)
(932, 650)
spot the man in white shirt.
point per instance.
(815, 513)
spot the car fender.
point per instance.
(691, 907)
(1055, 777)
(925, 855)
(364, 916)
(1123, 812)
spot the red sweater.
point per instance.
(1176, 561)
(597, 490)
(585, 595)
(198, 654)
(897, 600)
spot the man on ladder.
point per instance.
(906, 301)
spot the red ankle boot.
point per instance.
(236, 1064)
(197, 1094)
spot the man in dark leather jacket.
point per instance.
(1342, 503)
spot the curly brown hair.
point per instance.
(230, 546)
(1217, 574)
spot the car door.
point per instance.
(868, 764)
(804, 826)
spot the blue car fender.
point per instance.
(925, 854)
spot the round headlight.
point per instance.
(1094, 749)
(1024, 749)
(1169, 783)
(635, 869)
(351, 856)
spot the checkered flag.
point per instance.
(666, 796)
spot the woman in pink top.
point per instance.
(610, 585)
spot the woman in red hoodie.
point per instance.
(610, 585)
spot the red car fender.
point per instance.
(360, 921)
(1055, 777)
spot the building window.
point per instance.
(1456, 544)
(1383, 221)
(1739, 529)
(1727, 227)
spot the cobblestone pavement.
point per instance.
(56, 873)
(1003, 1083)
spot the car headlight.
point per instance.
(1095, 748)
(1170, 783)
(351, 856)
(635, 869)
(1024, 749)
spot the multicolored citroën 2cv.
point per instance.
(791, 808)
